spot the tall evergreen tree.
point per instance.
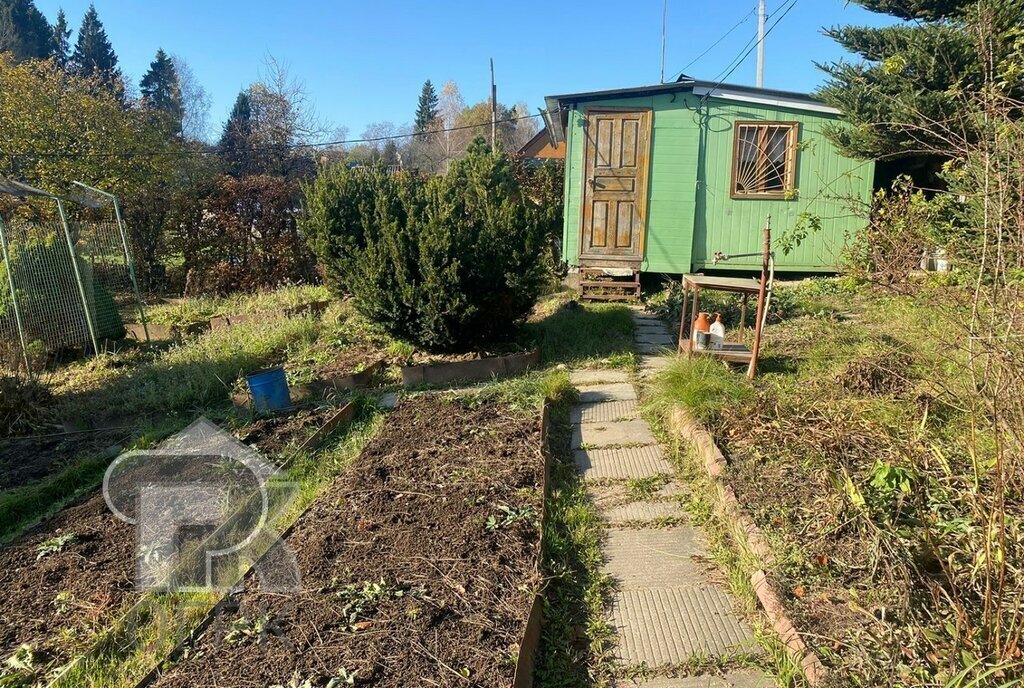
(426, 110)
(24, 31)
(161, 91)
(913, 73)
(94, 55)
(62, 41)
(236, 141)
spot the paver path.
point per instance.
(669, 605)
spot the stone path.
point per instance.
(669, 605)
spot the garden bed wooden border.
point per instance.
(342, 381)
(686, 428)
(477, 369)
(523, 677)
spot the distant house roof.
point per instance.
(540, 148)
(747, 94)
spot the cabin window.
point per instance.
(764, 159)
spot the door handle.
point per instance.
(591, 182)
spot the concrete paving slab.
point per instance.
(651, 331)
(733, 679)
(661, 626)
(652, 365)
(650, 326)
(636, 512)
(612, 434)
(663, 339)
(622, 463)
(597, 375)
(621, 391)
(655, 348)
(655, 557)
(604, 412)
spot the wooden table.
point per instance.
(730, 352)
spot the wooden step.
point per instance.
(598, 285)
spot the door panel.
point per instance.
(615, 185)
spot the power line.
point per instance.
(716, 43)
(269, 147)
(750, 49)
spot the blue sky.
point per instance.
(365, 61)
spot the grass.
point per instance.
(201, 309)
(701, 384)
(576, 639)
(160, 393)
(187, 379)
(581, 335)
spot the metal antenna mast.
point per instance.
(664, 30)
(762, 17)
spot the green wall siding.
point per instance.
(690, 212)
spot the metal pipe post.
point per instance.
(78, 276)
(756, 349)
(130, 265)
(14, 296)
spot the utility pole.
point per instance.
(762, 17)
(494, 111)
(664, 30)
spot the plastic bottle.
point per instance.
(717, 332)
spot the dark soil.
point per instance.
(351, 360)
(418, 565)
(277, 436)
(25, 459)
(55, 601)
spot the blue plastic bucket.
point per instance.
(269, 389)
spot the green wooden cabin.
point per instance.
(661, 178)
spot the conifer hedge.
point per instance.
(447, 262)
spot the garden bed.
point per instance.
(24, 459)
(419, 566)
(68, 578)
(348, 369)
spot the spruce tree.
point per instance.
(94, 55)
(913, 73)
(426, 110)
(61, 41)
(236, 141)
(161, 91)
(24, 31)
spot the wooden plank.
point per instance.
(741, 285)
(730, 353)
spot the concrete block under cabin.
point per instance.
(663, 178)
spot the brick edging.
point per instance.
(684, 426)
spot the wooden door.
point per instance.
(615, 185)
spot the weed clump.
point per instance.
(23, 404)
(877, 373)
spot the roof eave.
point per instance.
(749, 94)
